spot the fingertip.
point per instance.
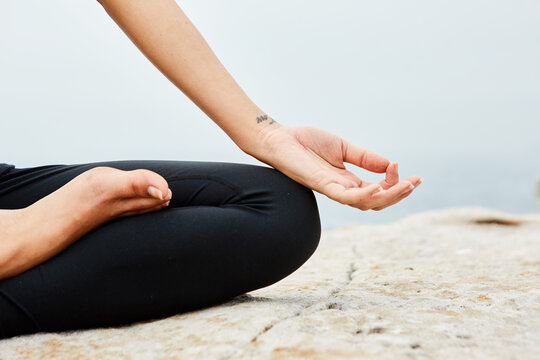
(415, 180)
(378, 188)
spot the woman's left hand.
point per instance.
(315, 158)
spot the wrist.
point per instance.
(256, 144)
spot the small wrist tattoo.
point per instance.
(264, 117)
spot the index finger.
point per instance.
(364, 158)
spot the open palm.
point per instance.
(315, 158)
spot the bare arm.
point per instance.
(164, 34)
(310, 156)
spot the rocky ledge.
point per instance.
(460, 283)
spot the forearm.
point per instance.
(164, 34)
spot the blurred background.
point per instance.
(449, 89)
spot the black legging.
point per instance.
(229, 229)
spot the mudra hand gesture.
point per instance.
(315, 158)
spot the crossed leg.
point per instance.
(228, 229)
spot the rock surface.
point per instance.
(460, 283)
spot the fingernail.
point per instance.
(420, 181)
(377, 189)
(155, 192)
(167, 203)
(407, 189)
(169, 194)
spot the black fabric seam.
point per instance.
(219, 180)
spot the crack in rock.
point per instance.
(329, 305)
(352, 269)
(272, 324)
(266, 329)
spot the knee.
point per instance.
(292, 229)
(297, 216)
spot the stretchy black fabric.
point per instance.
(5, 168)
(229, 229)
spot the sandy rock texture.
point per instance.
(460, 283)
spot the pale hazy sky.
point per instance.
(450, 89)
